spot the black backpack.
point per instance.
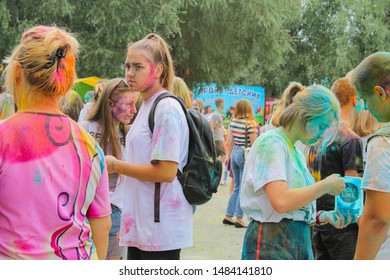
(202, 173)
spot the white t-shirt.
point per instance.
(85, 111)
(274, 158)
(377, 177)
(299, 145)
(169, 142)
(116, 189)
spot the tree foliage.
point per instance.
(333, 36)
(253, 42)
(235, 41)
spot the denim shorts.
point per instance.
(114, 250)
(116, 216)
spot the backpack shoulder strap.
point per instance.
(185, 111)
(157, 185)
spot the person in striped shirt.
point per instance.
(241, 134)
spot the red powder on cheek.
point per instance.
(151, 75)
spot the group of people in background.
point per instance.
(78, 181)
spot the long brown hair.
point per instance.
(365, 124)
(244, 110)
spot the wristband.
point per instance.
(318, 222)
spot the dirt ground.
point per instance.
(212, 239)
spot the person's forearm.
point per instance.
(373, 225)
(287, 200)
(100, 228)
(351, 172)
(145, 172)
(230, 143)
(230, 148)
(298, 198)
(370, 238)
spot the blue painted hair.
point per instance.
(308, 103)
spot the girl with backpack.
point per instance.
(154, 157)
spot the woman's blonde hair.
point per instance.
(101, 113)
(199, 105)
(154, 45)
(180, 89)
(46, 56)
(365, 124)
(308, 103)
(244, 109)
(71, 105)
(285, 101)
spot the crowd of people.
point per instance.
(79, 179)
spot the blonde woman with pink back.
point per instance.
(54, 201)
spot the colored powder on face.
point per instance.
(150, 80)
(119, 108)
(124, 108)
